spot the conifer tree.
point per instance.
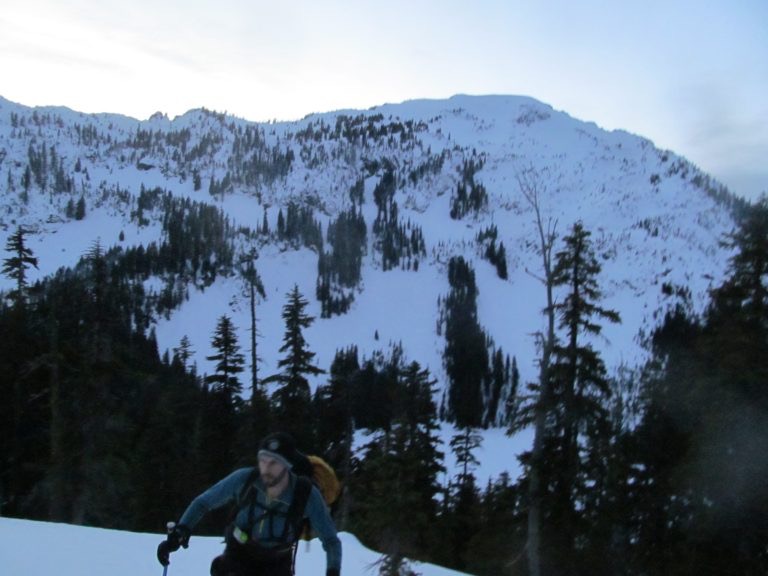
(216, 440)
(265, 224)
(464, 446)
(17, 388)
(100, 311)
(704, 402)
(461, 515)
(334, 402)
(80, 208)
(15, 266)
(466, 355)
(292, 399)
(730, 394)
(335, 426)
(579, 382)
(229, 361)
(183, 352)
(404, 454)
(739, 310)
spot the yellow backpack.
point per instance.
(324, 477)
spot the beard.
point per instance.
(272, 481)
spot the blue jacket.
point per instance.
(266, 526)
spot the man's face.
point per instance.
(272, 471)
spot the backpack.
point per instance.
(321, 473)
(309, 470)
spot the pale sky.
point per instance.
(691, 75)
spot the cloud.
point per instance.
(724, 130)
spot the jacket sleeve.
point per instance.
(223, 492)
(322, 523)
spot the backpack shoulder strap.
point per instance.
(246, 496)
(247, 487)
(295, 514)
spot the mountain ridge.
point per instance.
(656, 219)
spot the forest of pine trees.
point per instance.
(481, 383)
(400, 244)
(339, 271)
(470, 196)
(662, 472)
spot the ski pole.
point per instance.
(168, 528)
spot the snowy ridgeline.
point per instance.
(653, 218)
(654, 224)
(45, 549)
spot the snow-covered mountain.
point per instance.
(656, 220)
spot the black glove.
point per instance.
(332, 572)
(177, 537)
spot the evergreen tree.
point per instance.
(707, 405)
(164, 448)
(738, 315)
(265, 224)
(292, 399)
(280, 225)
(100, 306)
(698, 504)
(496, 544)
(184, 352)
(15, 266)
(460, 520)
(80, 209)
(466, 355)
(335, 426)
(500, 260)
(229, 361)
(216, 440)
(661, 497)
(499, 387)
(339, 270)
(397, 476)
(460, 517)
(375, 393)
(579, 383)
(464, 446)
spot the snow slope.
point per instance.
(653, 216)
(30, 548)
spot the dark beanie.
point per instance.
(279, 446)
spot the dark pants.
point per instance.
(252, 560)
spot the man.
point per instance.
(272, 503)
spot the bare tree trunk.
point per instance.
(531, 188)
(254, 357)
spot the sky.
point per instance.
(691, 75)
